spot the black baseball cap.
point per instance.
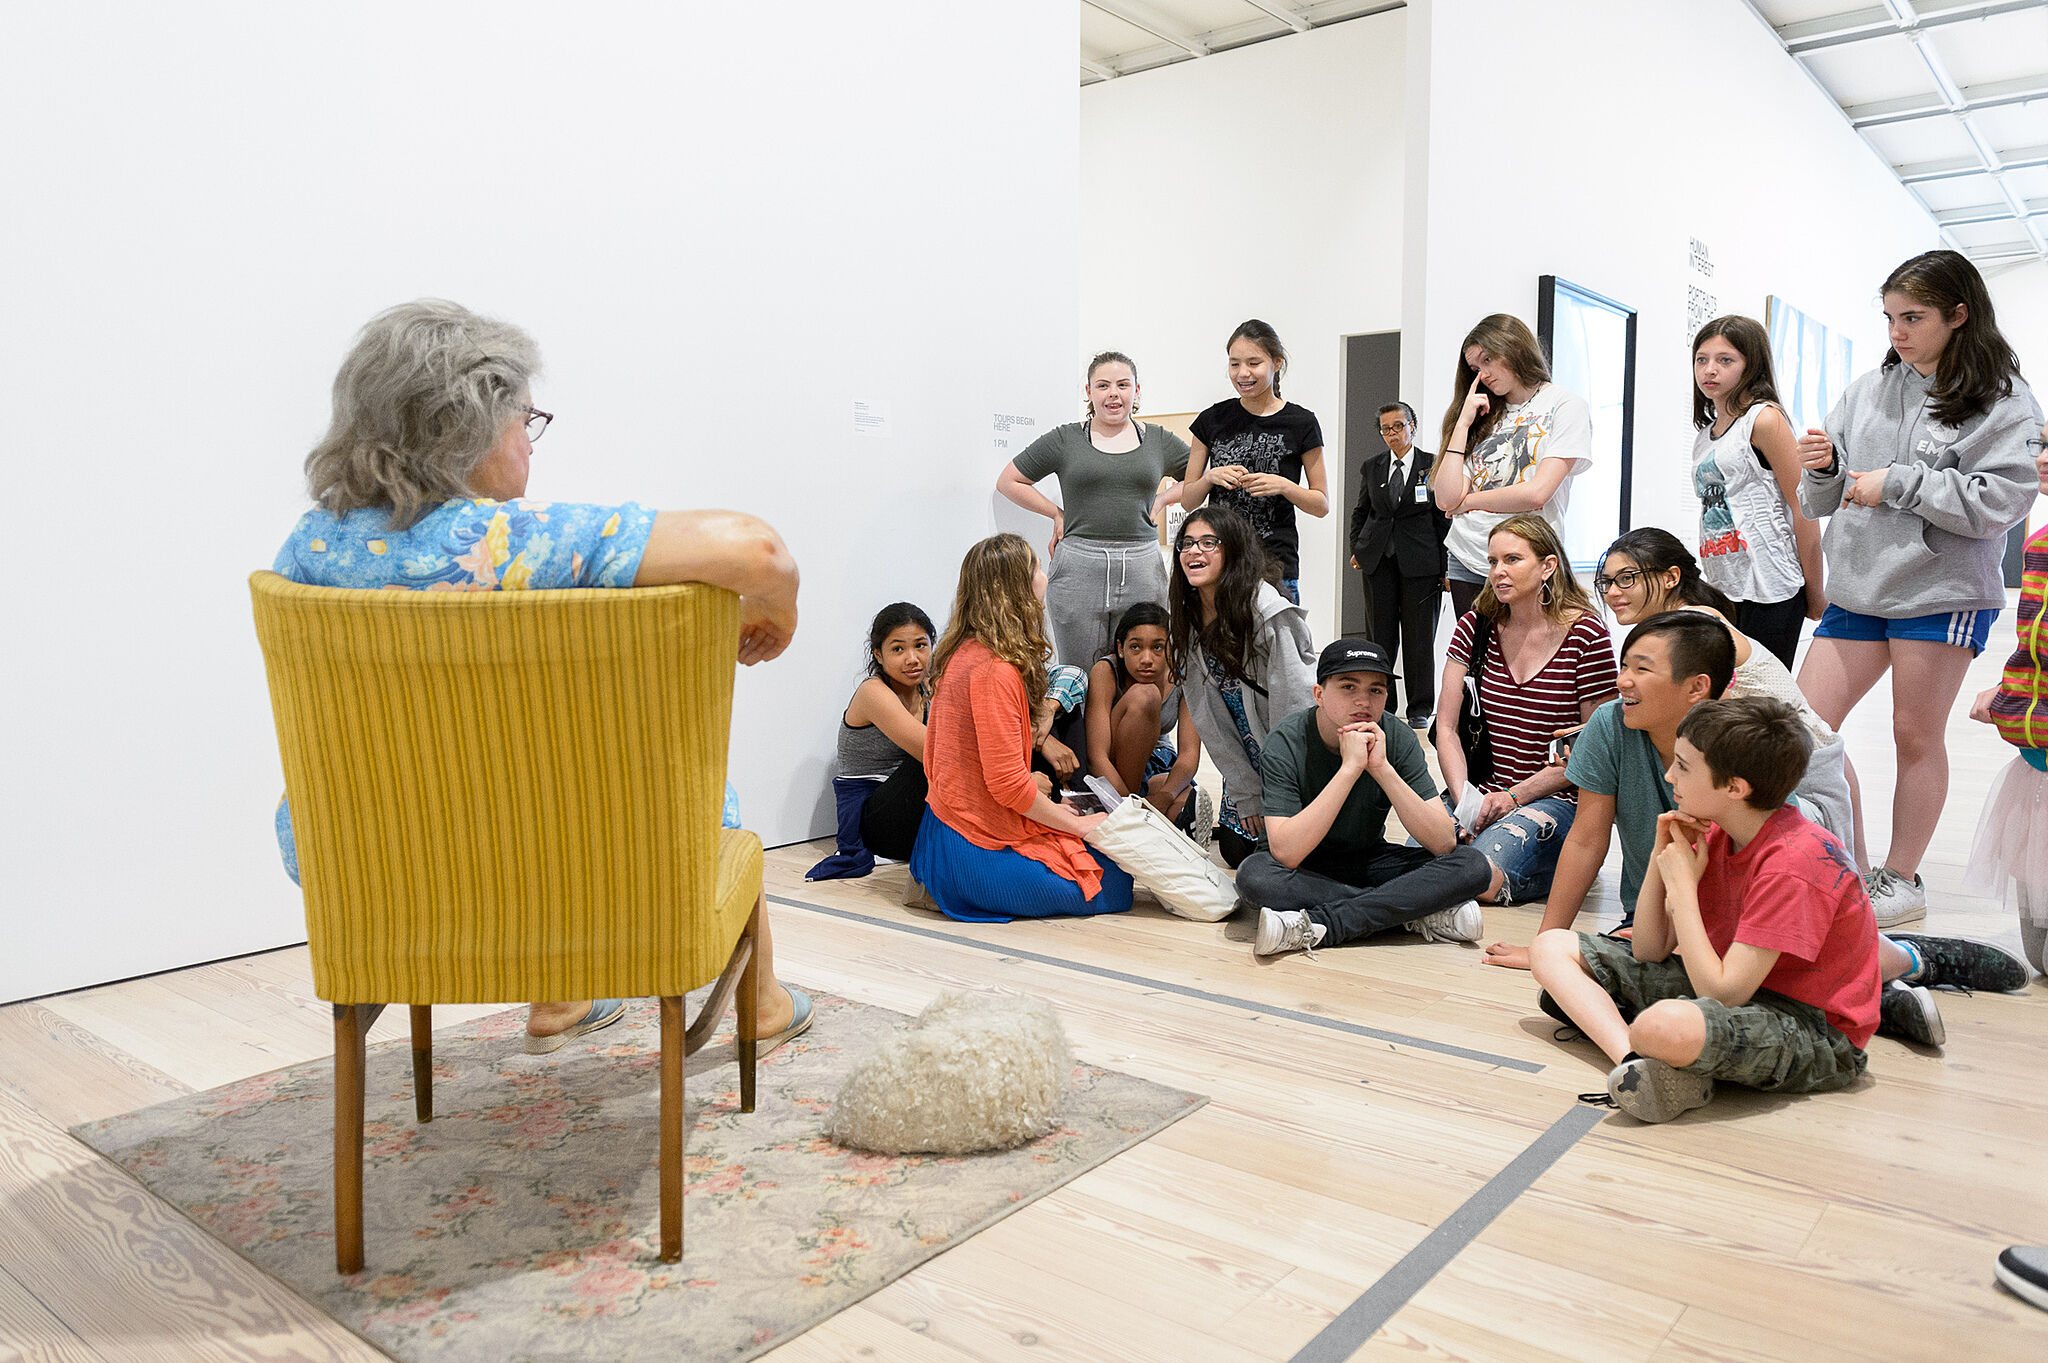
(1353, 655)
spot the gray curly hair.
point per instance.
(421, 399)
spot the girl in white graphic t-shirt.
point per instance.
(1756, 546)
(1512, 442)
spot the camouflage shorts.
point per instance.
(1772, 1043)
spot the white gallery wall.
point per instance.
(2020, 294)
(1260, 182)
(1597, 145)
(720, 249)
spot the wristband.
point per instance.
(1454, 452)
(1516, 799)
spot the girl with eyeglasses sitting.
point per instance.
(1245, 658)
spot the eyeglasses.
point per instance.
(1626, 579)
(537, 422)
(1394, 429)
(1207, 544)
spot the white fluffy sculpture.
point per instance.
(973, 1072)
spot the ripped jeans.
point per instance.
(1525, 844)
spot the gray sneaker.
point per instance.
(1908, 1011)
(1205, 819)
(2024, 1271)
(1895, 899)
(1652, 1091)
(1283, 930)
(1460, 923)
(1959, 963)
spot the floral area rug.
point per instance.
(522, 1223)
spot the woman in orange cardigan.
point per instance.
(999, 847)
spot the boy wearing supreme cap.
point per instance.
(1324, 872)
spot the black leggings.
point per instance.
(890, 818)
(1774, 624)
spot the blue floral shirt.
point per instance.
(469, 545)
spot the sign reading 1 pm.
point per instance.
(1010, 434)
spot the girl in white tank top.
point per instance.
(1755, 545)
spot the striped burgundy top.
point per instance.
(1523, 716)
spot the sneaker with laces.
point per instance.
(1286, 930)
(1894, 898)
(1459, 923)
(1652, 1091)
(1908, 1011)
(1961, 964)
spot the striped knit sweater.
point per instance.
(2021, 707)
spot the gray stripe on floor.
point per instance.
(1361, 1320)
(1228, 1001)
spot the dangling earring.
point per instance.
(1545, 598)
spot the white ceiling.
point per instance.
(1952, 94)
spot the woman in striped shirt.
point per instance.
(1546, 663)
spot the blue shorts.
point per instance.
(1964, 629)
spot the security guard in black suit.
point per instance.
(1397, 543)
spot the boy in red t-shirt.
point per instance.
(1755, 952)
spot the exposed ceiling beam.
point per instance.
(1961, 167)
(1861, 25)
(1154, 23)
(1293, 17)
(1998, 212)
(1991, 96)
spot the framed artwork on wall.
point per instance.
(1591, 342)
(1814, 363)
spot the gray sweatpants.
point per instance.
(1090, 584)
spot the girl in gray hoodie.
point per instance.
(1245, 658)
(1923, 467)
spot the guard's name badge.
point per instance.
(1421, 493)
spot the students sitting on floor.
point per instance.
(1134, 704)
(996, 845)
(1324, 872)
(1669, 664)
(1755, 953)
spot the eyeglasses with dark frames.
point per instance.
(1207, 544)
(537, 423)
(1626, 579)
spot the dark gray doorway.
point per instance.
(1372, 378)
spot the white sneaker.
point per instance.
(1895, 899)
(1460, 923)
(1286, 930)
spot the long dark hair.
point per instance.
(1265, 338)
(1505, 337)
(1977, 366)
(1658, 551)
(1232, 636)
(888, 620)
(1759, 380)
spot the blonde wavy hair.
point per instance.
(995, 604)
(428, 388)
(1568, 600)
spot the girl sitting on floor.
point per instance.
(1133, 704)
(996, 846)
(880, 787)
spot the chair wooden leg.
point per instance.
(423, 1061)
(349, 1062)
(749, 1009)
(672, 1128)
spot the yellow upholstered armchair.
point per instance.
(507, 796)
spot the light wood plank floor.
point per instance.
(1853, 1226)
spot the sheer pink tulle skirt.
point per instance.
(2012, 840)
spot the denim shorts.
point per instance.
(1525, 844)
(1964, 629)
(1773, 1043)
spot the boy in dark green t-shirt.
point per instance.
(1324, 872)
